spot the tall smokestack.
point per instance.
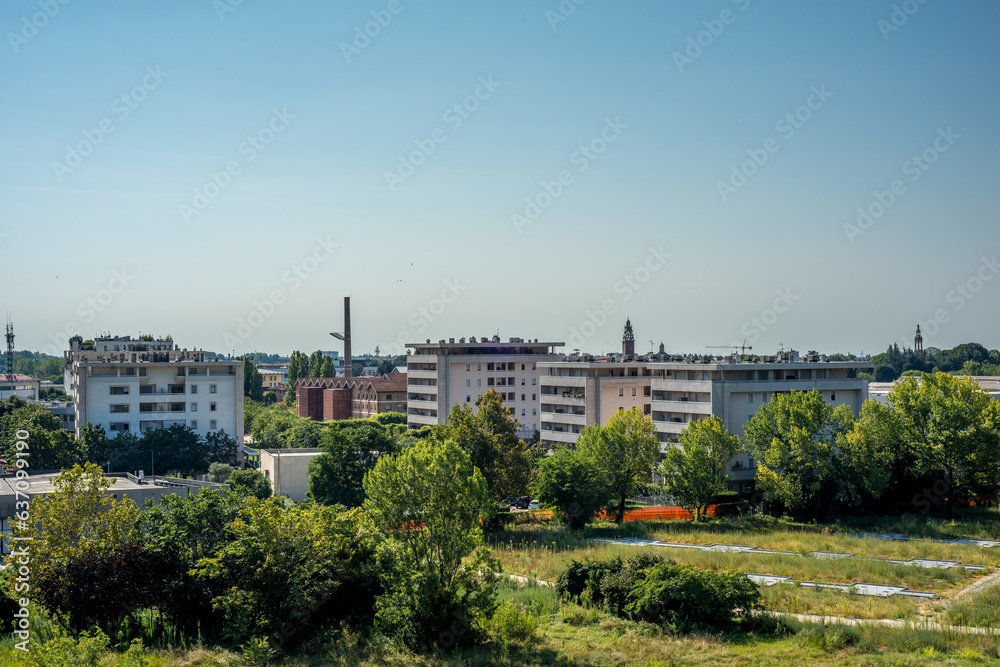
(348, 364)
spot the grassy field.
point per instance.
(543, 549)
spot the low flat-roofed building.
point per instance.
(151, 487)
(288, 470)
(879, 391)
(18, 384)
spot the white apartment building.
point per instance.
(448, 373)
(126, 384)
(675, 391)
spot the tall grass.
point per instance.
(981, 609)
(547, 561)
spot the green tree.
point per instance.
(327, 369)
(626, 449)
(337, 475)
(806, 459)
(50, 445)
(951, 427)
(298, 367)
(219, 472)
(573, 485)
(428, 502)
(180, 531)
(695, 472)
(253, 381)
(283, 571)
(177, 447)
(489, 436)
(220, 447)
(78, 518)
(94, 443)
(251, 483)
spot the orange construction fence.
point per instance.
(663, 513)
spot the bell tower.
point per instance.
(918, 341)
(628, 340)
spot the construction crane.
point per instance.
(732, 348)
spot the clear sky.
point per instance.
(182, 167)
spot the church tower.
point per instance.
(918, 341)
(628, 340)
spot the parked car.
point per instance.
(533, 505)
(521, 503)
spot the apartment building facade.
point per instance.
(126, 384)
(447, 373)
(675, 391)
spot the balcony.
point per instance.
(563, 399)
(559, 437)
(563, 418)
(153, 389)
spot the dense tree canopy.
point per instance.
(489, 436)
(806, 459)
(428, 503)
(950, 427)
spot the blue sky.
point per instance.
(149, 233)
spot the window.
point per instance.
(468, 367)
(468, 398)
(489, 382)
(534, 411)
(479, 383)
(533, 366)
(119, 408)
(522, 397)
(211, 406)
(118, 427)
(633, 391)
(468, 383)
(763, 397)
(194, 423)
(479, 367)
(194, 407)
(833, 395)
(534, 397)
(211, 388)
(750, 397)
(211, 424)
(522, 382)
(194, 389)
(118, 391)
(388, 397)
(510, 396)
(510, 381)
(490, 366)
(621, 391)
(522, 412)
(522, 367)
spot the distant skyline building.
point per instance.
(447, 373)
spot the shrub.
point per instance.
(63, 651)
(683, 598)
(512, 623)
(606, 583)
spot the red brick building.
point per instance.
(327, 399)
